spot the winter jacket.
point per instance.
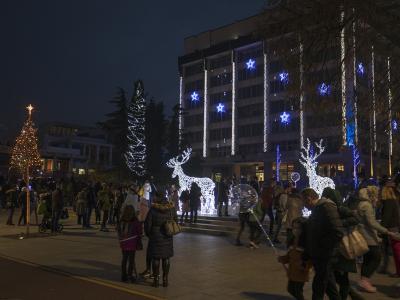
(294, 209)
(11, 198)
(104, 200)
(160, 245)
(130, 234)
(57, 202)
(267, 197)
(257, 213)
(131, 199)
(223, 192)
(324, 230)
(299, 270)
(194, 197)
(390, 208)
(81, 203)
(369, 226)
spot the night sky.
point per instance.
(67, 56)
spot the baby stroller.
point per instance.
(44, 209)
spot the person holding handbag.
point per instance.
(130, 239)
(161, 245)
(369, 228)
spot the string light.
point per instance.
(301, 109)
(309, 162)
(285, 118)
(284, 77)
(205, 113)
(220, 108)
(324, 89)
(136, 154)
(180, 110)
(395, 125)
(278, 162)
(25, 153)
(265, 103)
(195, 96)
(251, 64)
(206, 185)
(356, 162)
(360, 69)
(233, 143)
(343, 79)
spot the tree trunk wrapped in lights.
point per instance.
(136, 153)
(25, 155)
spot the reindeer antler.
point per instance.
(321, 149)
(173, 162)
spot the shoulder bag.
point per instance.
(171, 227)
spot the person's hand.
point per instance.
(394, 235)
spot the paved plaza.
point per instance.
(86, 263)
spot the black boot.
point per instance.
(165, 268)
(156, 272)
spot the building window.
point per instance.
(220, 62)
(251, 130)
(275, 66)
(220, 134)
(245, 74)
(250, 149)
(220, 151)
(251, 91)
(193, 120)
(194, 69)
(194, 86)
(193, 137)
(276, 86)
(220, 79)
(250, 111)
(253, 52)
(278, 127)
(220, 97)
(216, 117)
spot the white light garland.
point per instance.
(205, 125)
(136, 154)
(343, 79)
(373, 95)
(266, 84)
(390, 99)
(308, 160)
(355, 68)
(233, 142)
(180, 109)
(301, 108)
(206, 185)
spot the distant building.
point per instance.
(5, 152)
(74, 149)
(237, 111)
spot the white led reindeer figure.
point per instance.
(309, 162)
(206, 185)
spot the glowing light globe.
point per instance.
(243, 195)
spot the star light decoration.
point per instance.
(395, 125)
(220, 108)
(324, 89)
(206, 185)
(285, 118)
(195, 96)
(251, 64)
(360, 69)
(284, 77)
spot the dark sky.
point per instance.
(67, 56)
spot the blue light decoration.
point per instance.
(360, 69)
(278, 162)
(356, 162)
(195, 96)
(251, 64)
(395, 125)
(284, 77)
(285, 118)
(220, 108)
(324, 89)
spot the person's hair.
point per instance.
(128, 214)
(309, 193)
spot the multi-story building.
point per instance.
(67, 148)
(240, 115)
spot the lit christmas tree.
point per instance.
(25, 155)
(136, 154)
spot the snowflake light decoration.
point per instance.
(324, 89)
(195, 96)
(360, 69)
(395, 125)
(309, 162)
(206, 185)
(285, 118)
(220, 108)
(251, 64)
(284, 77)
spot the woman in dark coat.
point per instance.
(161, 246)
(194, 201)
(343, 266)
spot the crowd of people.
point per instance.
(369, 217)
(313, 242)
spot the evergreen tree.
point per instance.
(173, 142)
(136, 151)
(117, 127)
